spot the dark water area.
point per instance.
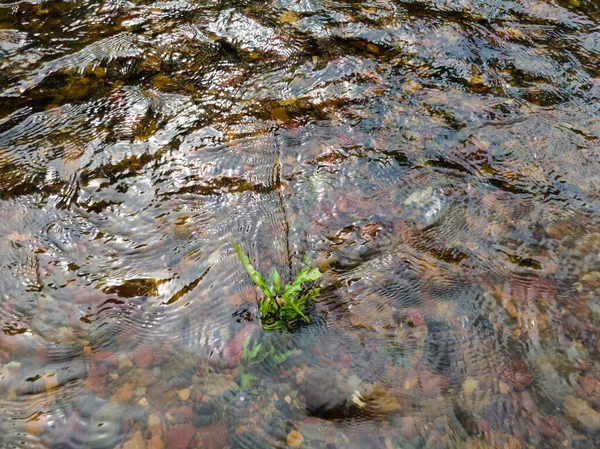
(438, 161)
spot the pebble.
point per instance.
(125, 362)
(469, 385)
(579, 410)
(142, 356)
(135, 442)
(294, 439)
(180, 435)
(184, 394)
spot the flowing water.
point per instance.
(436, 159)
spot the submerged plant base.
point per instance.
(281, 304)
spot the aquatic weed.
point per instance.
(281, 304)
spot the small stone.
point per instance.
(372, 48)
(154, 424)
(324, 397)
(288, 17)
(96, 379)
(123, 394)
(550, 426)
(142, 356)
(279, 114)
(378, 401)
(155, 442)
(184, 394)
(469, 385)
(503, 388)
(510, 308)
(135, 442)
(143, 402)
(214, 436)
(288, 399)
(125, 362)
(204, 413)
(294, 439)
(37, 424)
(50, 382)
(105, 426)
(159, 81)
(514, 443)
(180, 435)
(517, 374)
(579, 410)
(476, 79)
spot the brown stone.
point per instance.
(579, 410)
(517, 375)
(106, 357)
(137, 441)
(180, 435)
(142, 356)
(123, 393)
(432, 384)
(96, 379)
(214, 436)
(156, 442)
(294, 439)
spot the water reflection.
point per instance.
(436, 160)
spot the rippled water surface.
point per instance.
(437, 160)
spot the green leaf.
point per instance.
(275, 279)
(270, 327)
(254, 274)
(246, 381)
(280, 358)
(294, 306)
(246, 353)
(307, 274)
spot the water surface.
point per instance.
(437, 160)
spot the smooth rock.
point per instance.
(142, 356)
(204, 413)
(180, 435)
(294, 439)
(324, 397)
(105, 426)
(579, 410)
(214, 436)
(184, 394)
(135, 442)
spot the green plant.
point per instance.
(281, 304)
(263, 352)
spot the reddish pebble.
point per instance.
(187, 412)
(432, 384)
(180, 435)
(550, 426)
(106, 357)
(517, 374)
(345, 360)
(214, 436)
(142, 356)
(414, 316)
(589, 383)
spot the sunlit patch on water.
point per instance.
(437, 161)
